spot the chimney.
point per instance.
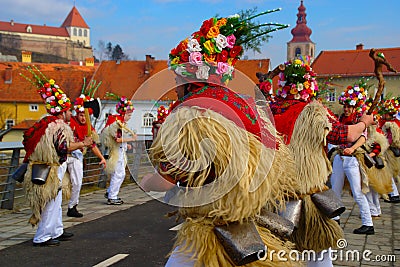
(12, 22)
(360, 47)
(89, 61)
(149, 64)
(8, 75)
(26, 56)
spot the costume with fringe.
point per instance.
(391, 130)
(46, 142)
(225, 160)
(304, 126)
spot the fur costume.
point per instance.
(393, 161)
(248, 176)
(108, 140)
(45, 152)
(379, 179)
(313, 168)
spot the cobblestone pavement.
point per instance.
(360, 250)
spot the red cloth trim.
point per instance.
(33, 134)
(112, 118)
(284, 122)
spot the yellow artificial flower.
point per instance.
(52, 82)
(297, 62)
(293, 90)
(60, 102)
(48, 106)
(209, 46)
(306, 84)
(210, 58)
(175, 61)
(221, 22)
(213, 32)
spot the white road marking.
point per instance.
(112, 260)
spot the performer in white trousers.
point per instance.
(79, 126)
(345, 163)
(115, 139)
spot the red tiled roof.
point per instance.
(353, 62)
(75, 19)
(23, 125)
(68, 77)
(128, 78)
(36, 29)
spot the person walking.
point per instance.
(47, 144)
(114, 137)
(79, 126)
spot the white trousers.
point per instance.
(118, 176)
(349, 167)
(51, 226)
(395, 191)
(373, 202)
(75, 169)
(323, 259)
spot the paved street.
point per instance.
(136, 234)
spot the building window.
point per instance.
(29, 29)
(75, 32)
(9, 123)
(331, 96)
(80, 32)
(148, 119)
(297, 52)
(85, 33)
(33, 107)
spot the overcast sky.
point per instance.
(155, 26)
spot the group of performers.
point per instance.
(55, 146)
(250, 173)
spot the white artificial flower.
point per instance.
(352, 102)
(221, 42)
(300, 87)
(234, 16)
(193, 46)
(82, 96)
(81, 109)
(179, 70)
(360, 96)
(350, 91)
(356, 88)
(58, 109)
(202, 72)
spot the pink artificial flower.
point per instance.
(231, 40)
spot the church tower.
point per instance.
(301, 45)
(77, 28)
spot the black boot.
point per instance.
(364, 230)
(73, 212)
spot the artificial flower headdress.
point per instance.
(297, 81)
(211, 53)
(56, 101)
(123, 106)
(87, 94)
(162, 113)
(355, 96)
(389, 106)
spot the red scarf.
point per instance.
(33, 134)
(80, 130)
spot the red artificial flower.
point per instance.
(265, 86)
(223, 56)
(235, 51)
(207, 24)
(184, 57)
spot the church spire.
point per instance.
(301, 33)
(301, 45)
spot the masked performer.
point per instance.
(114, 137)
(222, 155)
(47, 144)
